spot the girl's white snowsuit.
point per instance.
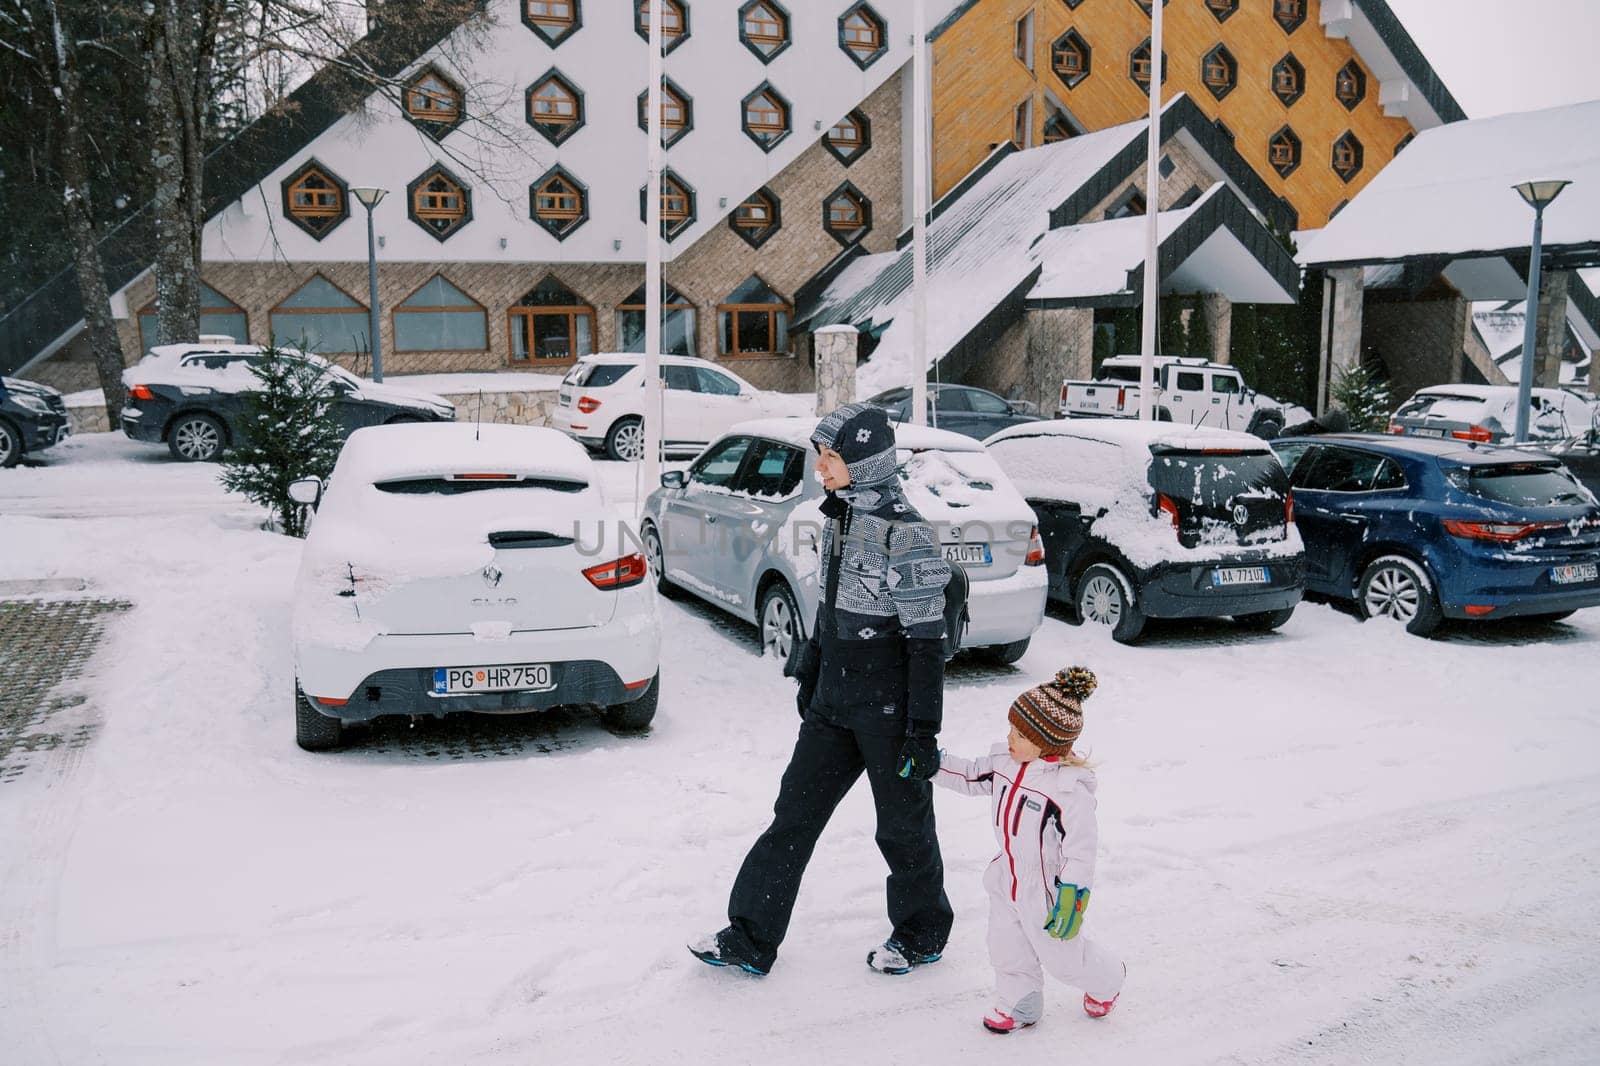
(1043, 818)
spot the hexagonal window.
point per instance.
(863, 34)
(758, 218)
(1139, 65)
(849, 138)
(847, 214)
(1222, 10)
(1407, 139)
(766, 116)
(559, 202)
(555, 107)
(1073, 4)
(433, 102)
(1289, 14)
(1288, 80)
(1283, 152)
(674, 22)
(764, 28)
(677, 112)
(1348, 156)
(315, 199)
(677, 204)
(439, 202)
(1070, 57)
(1350, 85)
(1219, 71)
(553, 20)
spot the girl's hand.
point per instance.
(1066, 917)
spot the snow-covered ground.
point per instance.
(1334, 844)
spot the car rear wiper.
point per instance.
(527, 538)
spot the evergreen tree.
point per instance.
(1364, 399)
(290, 433)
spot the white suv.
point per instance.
(452, 568)
(602, 404)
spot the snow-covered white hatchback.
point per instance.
(451, 568)
(602, 404)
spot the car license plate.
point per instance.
(565, 397)
(1092, 405)
(1575, 574)
(973, 554)
(526, 677)
(1428, 432)
(1240, 575)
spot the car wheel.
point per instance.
(1006, 654)
(630, 717)
(313, 730)
(1105, 597)
(10, 445)
(625, 440)
(1399, 590)
(780, 626)
(1265, 621)
(196, 439)
(656, 556)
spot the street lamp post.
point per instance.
(1539, 195)
(370, 198)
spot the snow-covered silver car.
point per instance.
(741, 528)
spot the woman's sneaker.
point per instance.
(893, 957)
(722, 949)
(1096, 1008)
(998, 1021)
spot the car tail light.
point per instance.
(1288, 507)
(141, 392)
(1477, 610)
(1500, 532)
(1035, 549)
(1477, 434)
(588, 404)
(1397, 429)
(330, 701)
(622, 573)
(1168, 506)
(1063, 392)
(1122, 398)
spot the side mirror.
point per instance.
(747, 396)
(673, 479)
(307, 491)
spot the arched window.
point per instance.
(753, 321)
(439, 317)
(219, 316)
(550, 325)
(321, 317)
(677, 322)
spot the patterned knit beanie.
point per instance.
(864, 438)
(1051, 715)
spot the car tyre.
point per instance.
(780, 625)
(632, 717)
(1264, 621)
(196, 438)
(625, 440)
(1105, 596)
(1398, 589)
(313, 730)
(10, 445)
(1006, 654)
(656, 556)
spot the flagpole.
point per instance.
(652, 264)
(919, 205)
(1152, 212)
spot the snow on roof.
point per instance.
(797, 431)
(1450, 192)
(1129, 432)
(432, 449)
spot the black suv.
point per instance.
(193, 397)
(32, 417)
(1151, 520)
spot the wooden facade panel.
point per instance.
(977, 83)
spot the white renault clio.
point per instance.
(455, 568)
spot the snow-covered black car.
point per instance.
(1155, 520)
(193, 398)
(32, 417)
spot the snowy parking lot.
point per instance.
(1330, 844)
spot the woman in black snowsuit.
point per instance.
(871, 697)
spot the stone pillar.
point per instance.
(1551, 336)
(1343, 300)
(1060, 346)
(835, 348)
(1218, 311)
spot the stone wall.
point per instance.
(1034, 355)
(1420, 343)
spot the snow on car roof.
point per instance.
(1484, 392)
(638, 357)
(432, 449)
(178, 351)
(1128, 432)
(1452, 450)
(797, 431)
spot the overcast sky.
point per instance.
(1509, 55)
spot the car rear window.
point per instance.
(1525, 484)
(1447, 406)
(444, 486)
(1222, 495)
(1119, 373)
(599, 375)
(957, 479)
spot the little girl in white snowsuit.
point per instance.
(1043, 815)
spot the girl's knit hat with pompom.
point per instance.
(1051, 714)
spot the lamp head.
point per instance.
(370, 197)
(1539, 194)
